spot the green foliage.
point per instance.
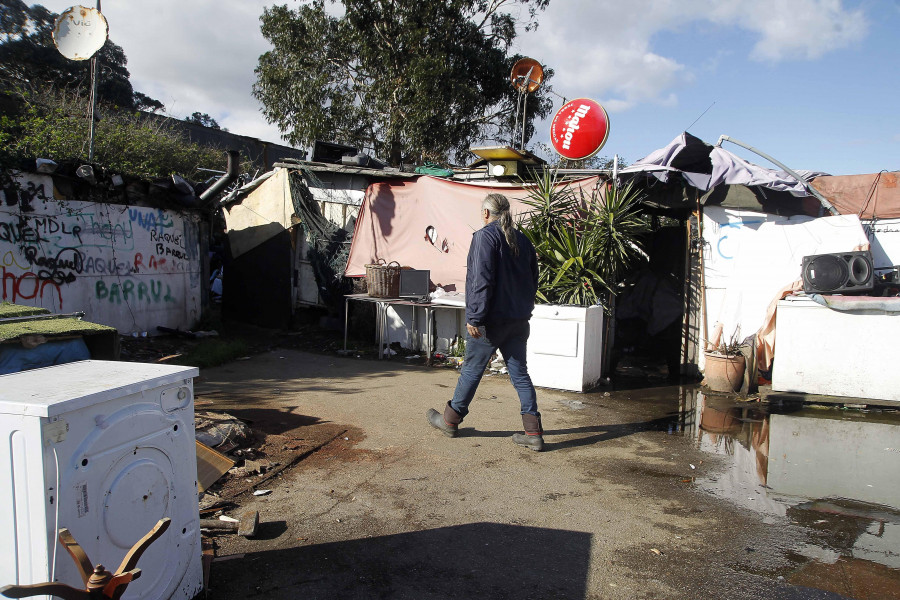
(212, 352)
(203, 119)
(556, 161)
(410, 80)
(585, 243)
(29, 59)
(54, 125)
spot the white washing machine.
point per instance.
(105, 449)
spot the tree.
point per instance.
(410, 80)
(556, 161)
(30, 60)
(198, 118)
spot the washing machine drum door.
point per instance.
(132, 472)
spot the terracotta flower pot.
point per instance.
(724, 373)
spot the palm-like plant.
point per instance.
(585, 242)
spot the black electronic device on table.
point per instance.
(415, 284)
(838, 273)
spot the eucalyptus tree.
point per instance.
(410, 80)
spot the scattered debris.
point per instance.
(220, 430)
(228, 557)
(252, 467)
(169, 357)
(246, 526)
(655, 551)
(262, 492)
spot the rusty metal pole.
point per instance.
(95, 68)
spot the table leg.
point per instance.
(346, 317)
(379, 325)
(415, 329)
(429, 340)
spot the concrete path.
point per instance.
(397, 510)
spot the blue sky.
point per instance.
(814, 83)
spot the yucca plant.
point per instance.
(585, 242)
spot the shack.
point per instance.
(750, 230)
(289, 233)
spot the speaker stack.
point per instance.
(838, 273)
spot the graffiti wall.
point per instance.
(129, 267)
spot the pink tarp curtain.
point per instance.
(426, 224)
(869, 196)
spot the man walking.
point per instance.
(501, 281)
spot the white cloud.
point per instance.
(607, 45)
(791, 29)
(200, 55)
(193, 56)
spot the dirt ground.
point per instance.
(368, 501)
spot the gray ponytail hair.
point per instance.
(498, 206)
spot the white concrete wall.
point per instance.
(128, 267)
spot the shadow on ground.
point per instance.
(573, 437)
(480, 560)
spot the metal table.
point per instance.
(381, 307)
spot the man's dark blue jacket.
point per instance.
(500, 286)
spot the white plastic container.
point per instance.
(105, 449)
(565, 347)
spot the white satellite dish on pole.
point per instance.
(80, 32)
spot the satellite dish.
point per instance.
(80, 32)
(527, 75)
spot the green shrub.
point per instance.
(55, 125)
(585, 242)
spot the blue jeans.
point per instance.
(511, 338)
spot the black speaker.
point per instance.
(839, 273)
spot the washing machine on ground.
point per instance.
(105, 449)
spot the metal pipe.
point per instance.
(95, 75)
(42, 317)
(231, 173)
(813, 191)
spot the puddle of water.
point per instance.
(834, 471)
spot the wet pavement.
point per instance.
(832, 470)
(643, 491)
(835, 471)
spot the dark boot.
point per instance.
(533, 437)
(448, 423)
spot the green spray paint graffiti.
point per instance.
(130, 290)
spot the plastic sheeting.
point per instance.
(705, 167)
(875, 196)
(752, 258)
(14, 358)
(427, 224)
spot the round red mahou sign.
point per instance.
(579, 129)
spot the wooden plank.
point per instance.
(211, 465)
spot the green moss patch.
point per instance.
(8, 309)
(49, 327)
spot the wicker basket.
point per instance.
(383, 280)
